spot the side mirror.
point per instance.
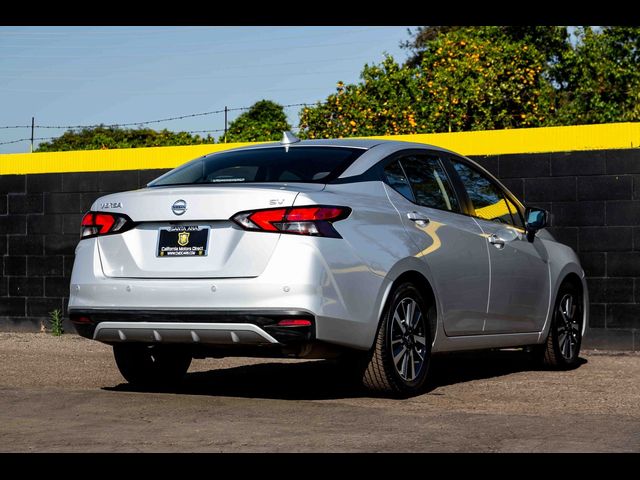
(536, 219)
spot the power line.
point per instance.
(169, 119)
(302, 104)
(15, 141)
(26, 140)
(343, 31)
(94, 31)
(129, 72)
(198, 52)
(206, 131)
(146, 122)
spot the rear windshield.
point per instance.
(261, 165)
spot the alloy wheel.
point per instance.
(568, 325)
(408, 339)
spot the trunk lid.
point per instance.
(230, 251)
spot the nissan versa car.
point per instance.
(379, 253)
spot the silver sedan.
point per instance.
(378, 253)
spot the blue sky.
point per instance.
(91, 75)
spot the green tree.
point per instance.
(551, 41)
(384, 103)
(478, 82)
(470, 78)
(264, 121)
(421, 40)
(599, 80)
(467, 79)
(107, 137)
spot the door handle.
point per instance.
(496, 241)
(417, 218)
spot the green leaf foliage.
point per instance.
(384, 103)
(599, 80)
(479, 78)
(552, 41)
(264, 121)
(107, 137)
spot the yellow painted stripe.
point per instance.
(487, 142)
(106, 160)
(534, 140)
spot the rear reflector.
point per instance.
(80, 319)
(294, 323)
(313, 220)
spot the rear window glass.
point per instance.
(298, 164)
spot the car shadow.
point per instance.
(325, 379)
(311, 380)
(451, 368)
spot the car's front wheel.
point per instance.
(562, 347)
(399, 361)
(151, 365)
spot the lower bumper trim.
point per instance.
(211, 327)
(183, 332)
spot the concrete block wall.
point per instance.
(40, 218)
(594, 198)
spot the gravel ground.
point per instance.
(66, 394)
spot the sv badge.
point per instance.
(276, 202)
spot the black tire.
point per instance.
(152, 365)
(400, 377)
(561, 351)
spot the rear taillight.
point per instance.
(100, 223)
(312, 220)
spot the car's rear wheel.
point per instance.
(399, 361)
(152, 365)
(562, 348)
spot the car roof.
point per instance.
(321, 142)
(363, 143)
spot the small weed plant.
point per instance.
(55, 319)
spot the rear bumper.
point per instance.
(315, 275)
(210, 327)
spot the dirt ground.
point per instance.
(65, 394)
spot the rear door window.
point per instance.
(429, 182)
(397, 180)
(488, 200)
